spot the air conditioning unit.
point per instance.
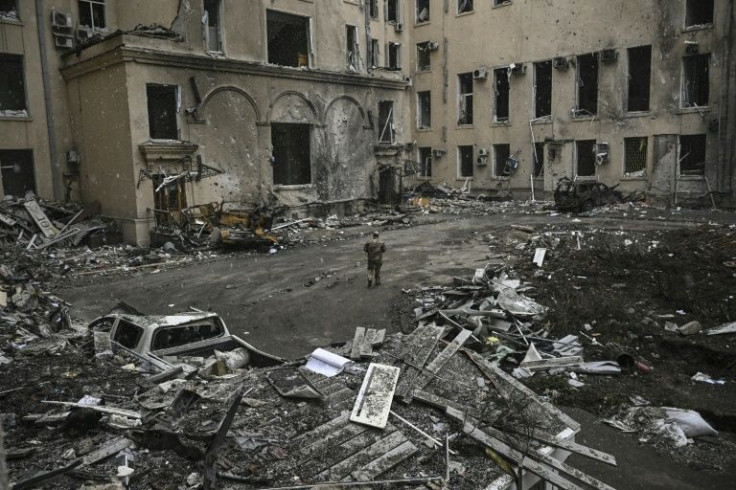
(601, 153)
(398, 27)
(482, 157)
(433, 45)
(609, 56)
(60, 20)
(437, 152)
(64, 42)
(480, 73)
(409, 82)
(691, 47)
(84, 34)
(511, 165)
(560, 63)
(483, 152)
(517, 69)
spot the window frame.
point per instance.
(629, 78)
(352, 61)
(423, 166)
(220, 30)
(497, 95)
(393, 50)
(21, 61)
(681, 158)
(424, 47)
(90, 4)
(462, 98)
(460, 149)
(418, 22)
(177, 104)
(537, 65)
(420, 106)
(578, 154)
(683, 81)
(309, 128)
(688, 26)
(579, 85)
(459, 4)
(636, 173)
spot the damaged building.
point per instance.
(155, 107)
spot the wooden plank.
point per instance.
(567, 361)
(543, 471)
(100, 408)
(438, 362)
(110, 448)
(444, 403)
(576, 448)
(384, 462)
(33, 481)
(357, 343)
(415, 352)
(39, 217)
(376, 394)
(320, 463)
(366, 346)
(335, 438)
(363, 457)
(497, 376)
(7, 220)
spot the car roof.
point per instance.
(167, 320)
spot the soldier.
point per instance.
(374, 250)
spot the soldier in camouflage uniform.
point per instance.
(374, 250)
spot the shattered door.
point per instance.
(169, 198)
(387, 193)
(17, 172)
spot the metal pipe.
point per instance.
(55, 174)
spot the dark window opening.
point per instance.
(386, 121)
(501, 2)
(392, 10)
(465, 88)
(212, 12)
(168, 197)
(373, 8)
(696, 80)
(92, 14)
(635, 156)
(288, 39)
(423, 58)
(9, 9)
(503, 88)
(351, 47)
(640, 67)
(464, 6)
(425, 161)
(375, 51)
(698, 12)
(291, 154)
(587, 85)
(538, 160)
(17, 172)
(542, 89)
(162, 111)
(424, 109)
(586, 158)
(501, 154)
(168, 337)
(127, 334)
(692, 154)
(394, 55)
(12, 83)
(422, 11)
(465, 161)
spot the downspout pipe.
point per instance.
(56, 177)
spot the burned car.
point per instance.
(578, 196)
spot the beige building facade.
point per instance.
(150, 107)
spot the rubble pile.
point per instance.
(297, 232)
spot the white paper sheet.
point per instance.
(324, 362)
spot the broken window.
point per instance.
(422, 11)
(640, 67)
(423, 58)
(392, 11)
(695, 80)
(424, 110)
(635, 156)
(288, 39)
(538, 160)
(168, 337)
(394, 56)
(542, 89)
(211, 23)
(585, 158)
(501, 154)
(465, 161)
(587, 85)
(386, 121)
(373, 8)
(12, 84)
(501, 2)
(465, 108)
(291, 154)
(351, 36)
(162, 107)
(92, 14)
(9, 9)
(375, 51)
(692, 154)
(425, 161)
(169, 194)
(503, 88)
(127, 334)
(698, 12)
(17, 175)
(464, 6)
